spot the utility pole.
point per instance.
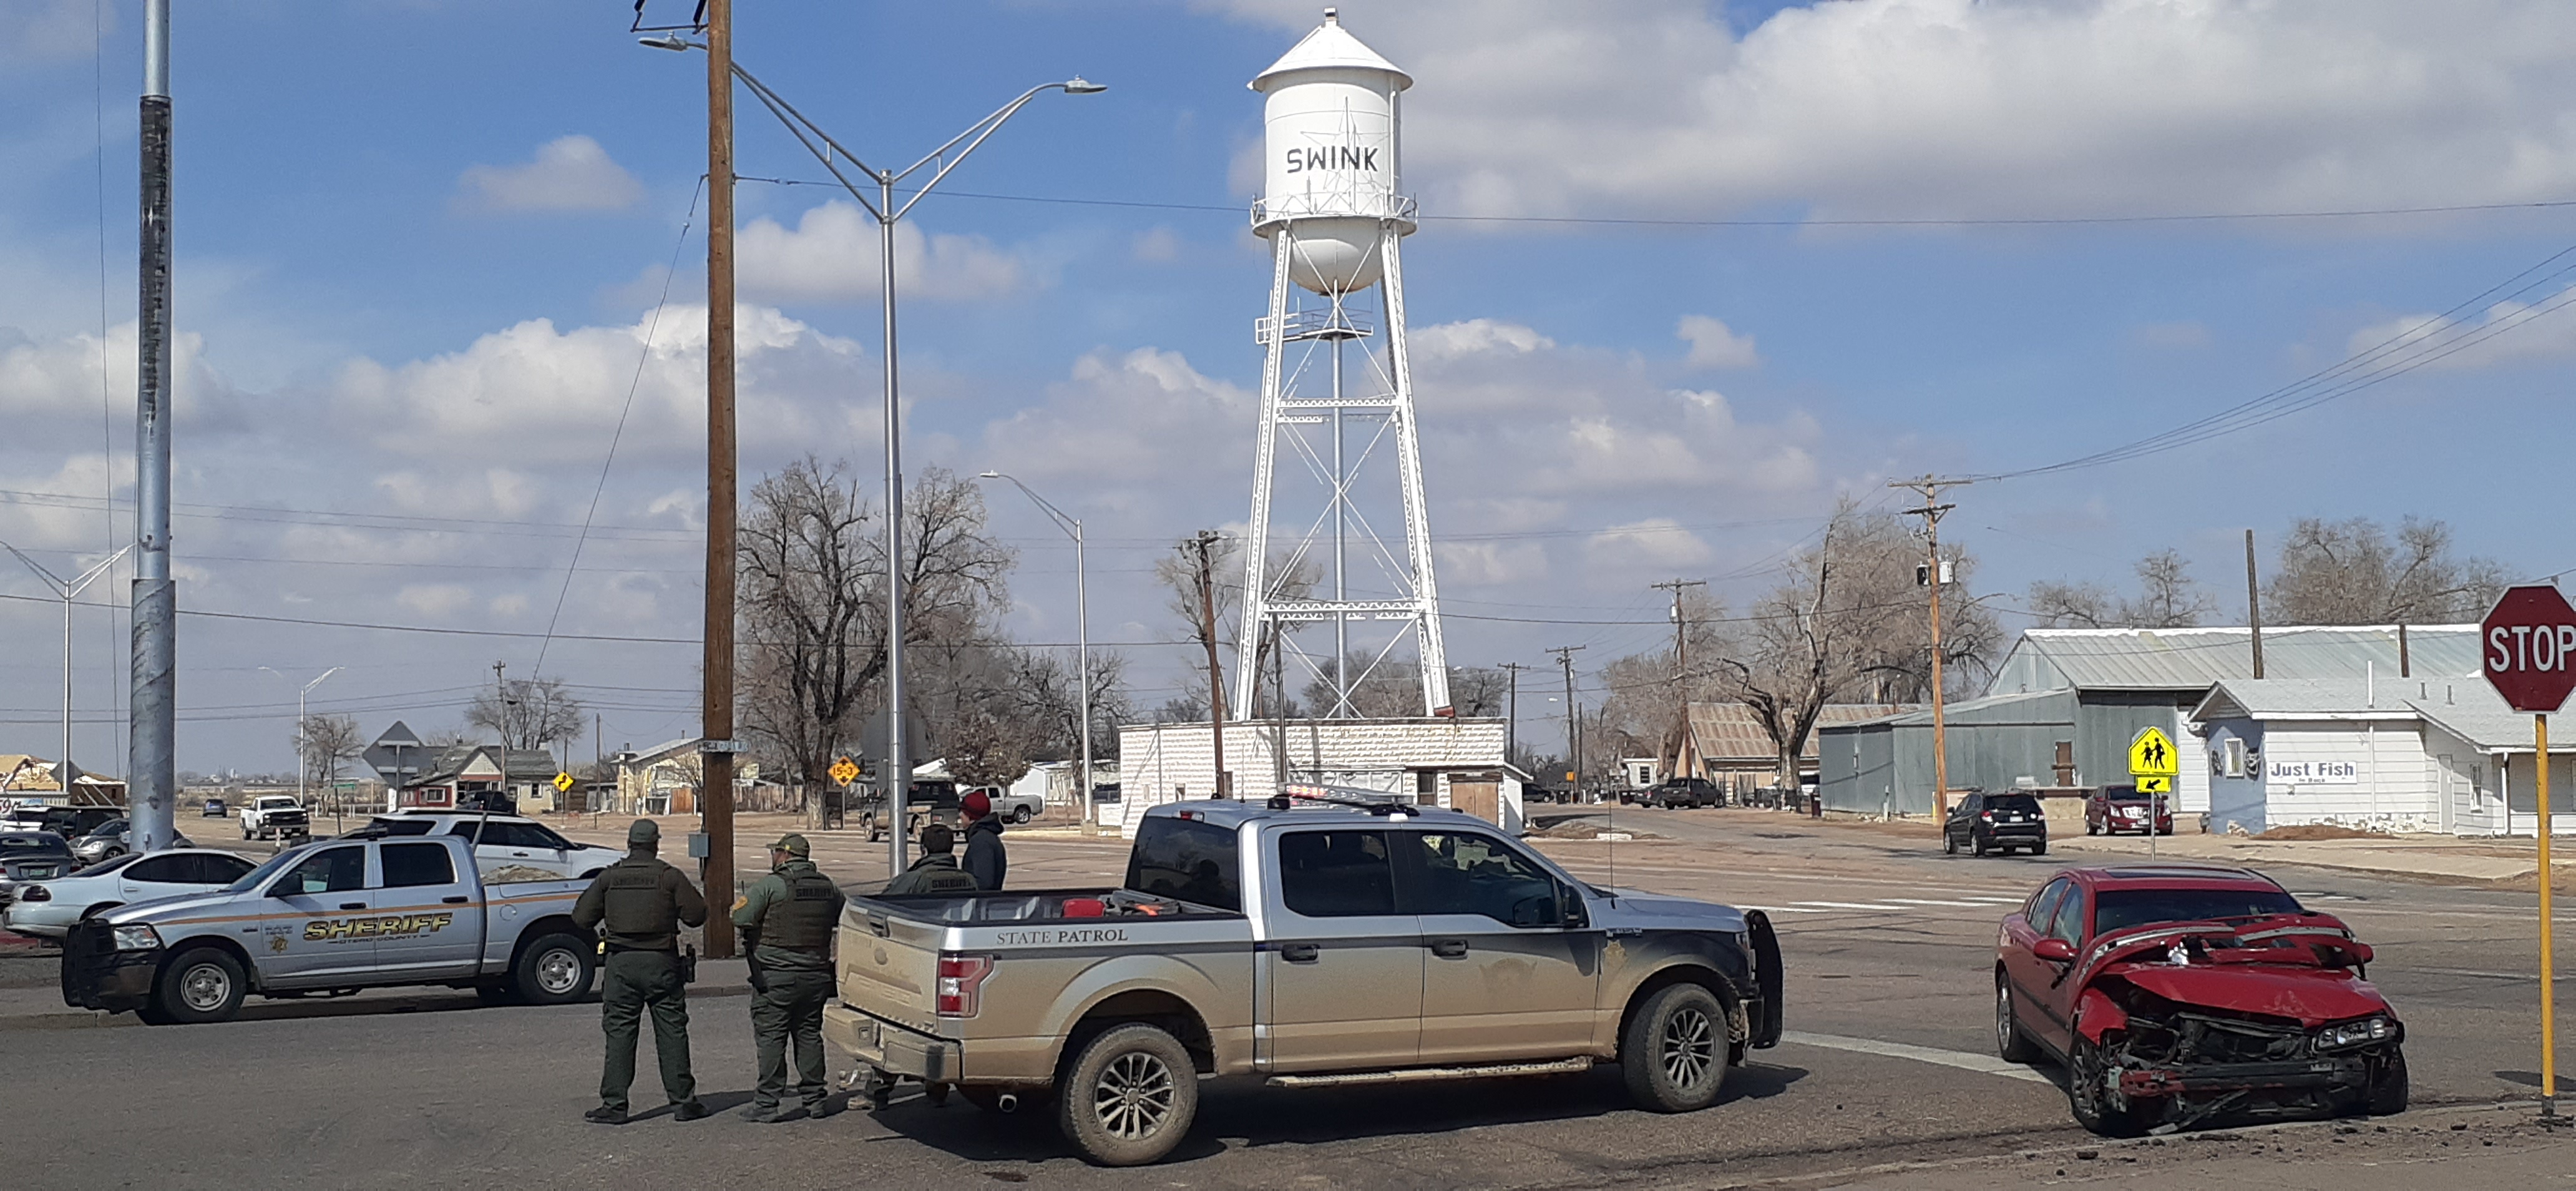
(2253, 604)
(1512, 712)
(1207, 634)
(715, 712)
(1573, 717)
(152, 750)
(1931, 489)
(1681, 665)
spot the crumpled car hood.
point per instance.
(2310, 996)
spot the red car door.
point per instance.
(2028, 974)
(2055, 998)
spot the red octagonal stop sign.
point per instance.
(2530, 647)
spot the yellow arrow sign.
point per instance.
(2152, 753)
(844, 771)
(563, 783)
(2152, 784)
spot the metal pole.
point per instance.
(2548, 967)
(1216, 677)
(715, 787)
(1940, 735)
(898, 774)
(62, 770)
(152, 752)
(1341, 540)
(1082, 652)
(2253, 604)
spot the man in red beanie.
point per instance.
(985, 860)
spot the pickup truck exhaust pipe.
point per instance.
(1008, 1102)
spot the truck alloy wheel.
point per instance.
(1674, 1050)
(1130, 1096)
(199, 986)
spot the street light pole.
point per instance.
(301, 728)
(883, 208)
(151, 762)
(67, 591)
(1081, 626)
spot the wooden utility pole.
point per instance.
(2253, 604)
(1216, 677)
(1573, 718)
(1931, 489)
(715, 788)
(1512, 712)
(1681, 666)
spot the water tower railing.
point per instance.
(1353, 204)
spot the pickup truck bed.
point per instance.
(1301, 947)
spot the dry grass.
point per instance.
(2317, 831)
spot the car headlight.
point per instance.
(137, 937)
(2356, 1033)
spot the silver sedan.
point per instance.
(48, 909)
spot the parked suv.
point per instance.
(2114, 809)
(1996, 822)
(1684, 791)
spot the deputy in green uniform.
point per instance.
(786, 922)
(638, 906)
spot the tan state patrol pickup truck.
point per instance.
(1307, 944)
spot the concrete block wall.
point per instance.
(1160, 763)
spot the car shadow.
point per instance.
(1241, 1113)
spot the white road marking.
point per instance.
(1782, 910)
(1925, 901)
(1982, 1064)
(1852, 906)
(1998, 901)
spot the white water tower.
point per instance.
(1336, 384)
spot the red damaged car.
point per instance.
(2179, 993)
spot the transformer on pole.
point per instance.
(1336, 382)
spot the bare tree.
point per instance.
(2167, 598)
(528, 713)
(1477, 692)
(2350, 572)
(1290, 577)
(813, 605)
(1849, 621)
(326, 743)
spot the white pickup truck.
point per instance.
(331, 918)
(274, 816)
(1303, 946)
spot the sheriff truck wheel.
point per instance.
(1675, 1049)
(200, 986)
(1130, 1096)
(554, 970)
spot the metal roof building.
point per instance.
(2065, 703)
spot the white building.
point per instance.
(1456, 763)
(2439, 755)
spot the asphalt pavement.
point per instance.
(1887, 1078)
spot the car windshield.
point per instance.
(2115, 909)
(251, 880)
(104, 867)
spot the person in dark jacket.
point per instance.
(936, 871)
(638, 906)
(985, 859)
(786, 921)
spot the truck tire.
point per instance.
(556, 969)
(1674, 1050)
(1021, 815)
(199, 986)
(1130, 1096)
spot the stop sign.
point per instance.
(2530, 647)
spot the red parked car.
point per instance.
(2178, 993)
(2115, 809)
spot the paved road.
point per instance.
(1888, 943)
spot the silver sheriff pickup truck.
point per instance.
(1304, 943)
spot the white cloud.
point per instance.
(1655, 541)
(435, 600)
(1157, 244)
(45, 30)
(1713, 345)
(2505, 333)
(832, 256)
(569, 173)
(1133, 429)
(1961, 107)
(1449, 340)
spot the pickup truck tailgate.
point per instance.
(891, 967)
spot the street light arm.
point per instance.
(799, 127)
(57, 584)
(974, 136)
(1070, 525)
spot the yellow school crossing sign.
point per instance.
(2152, 755)
(845, 771)
(563, 783)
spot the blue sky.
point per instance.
(410, 295)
